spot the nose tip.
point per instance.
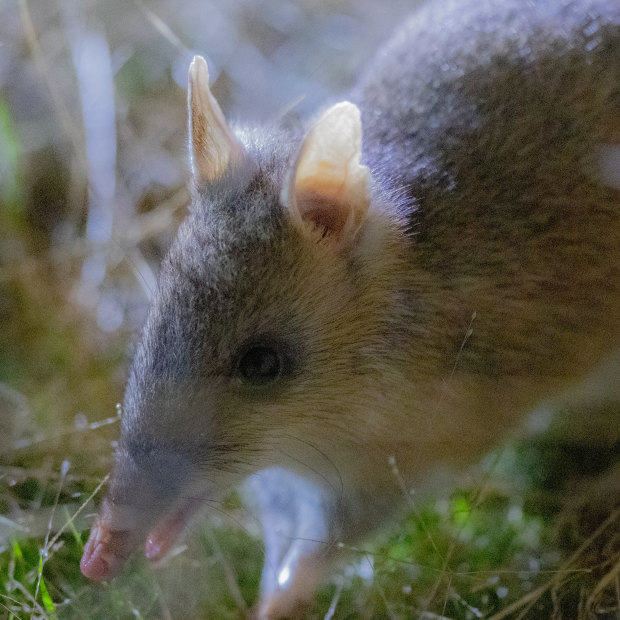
(144, 485)
(94, 565)
(106, 550)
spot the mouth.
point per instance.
(109, 547)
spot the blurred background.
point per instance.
(92, 187)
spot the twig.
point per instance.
(57, 101)
(531, 597)
(78, 511)
(229, 574)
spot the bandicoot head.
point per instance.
(261, 346)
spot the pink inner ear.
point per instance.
(322, 212)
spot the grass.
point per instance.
(478, 553)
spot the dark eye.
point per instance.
(260, 364)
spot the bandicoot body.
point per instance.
(399, 284)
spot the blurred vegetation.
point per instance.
(92, 186)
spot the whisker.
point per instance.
(327, 459)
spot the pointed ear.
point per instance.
(329, 189)
(212, 144)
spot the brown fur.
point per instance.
(483, 277)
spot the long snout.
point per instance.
(113, 538)
(143, 493)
